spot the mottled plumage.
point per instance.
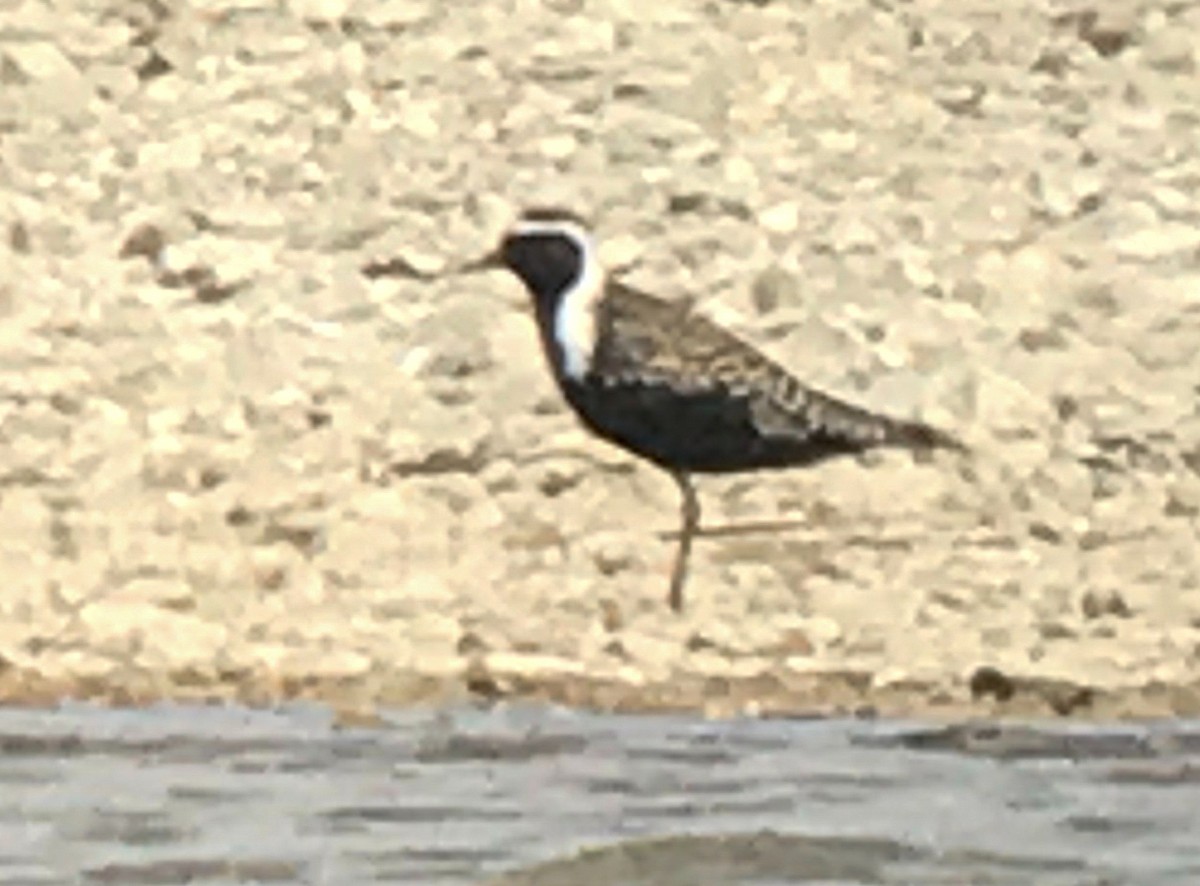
(665, 383)
(672, 386)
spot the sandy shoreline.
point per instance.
(362, 700)
(235, 467)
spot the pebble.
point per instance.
(1160, 241)
(781, 218)
(40, 61)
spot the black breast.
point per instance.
(706, 431)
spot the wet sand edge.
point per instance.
(358, 700)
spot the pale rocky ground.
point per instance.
(244, 469)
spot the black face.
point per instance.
(548, 263)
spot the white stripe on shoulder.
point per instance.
(575, 325)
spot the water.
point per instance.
(525, 795)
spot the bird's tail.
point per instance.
(851, 428)
(917, 435)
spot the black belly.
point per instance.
(703, 431)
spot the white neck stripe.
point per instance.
(575, 317)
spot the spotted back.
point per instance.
(644, 340)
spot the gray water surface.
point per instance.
(528, 795)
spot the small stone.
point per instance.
(420, 119)
(823, 631)
(1171, 199)
(18, 238)
(40, 61)
(782, 218)
(621, 250)
(1094, 539)
(962, 99)
(611, 617)
(614, 556)
(470, 643)
(556, 479)
(321, 10)
(1044, 339)
(771, 287)
(144, 241)
(1045, 532)
(1183, 500)
(850, 234)
(480, 681)
(169, 593)
(796, 642)
(1067, 194)
(988, 681)
(558, 147)
(614, 648)
(1056, 630)
(395, 14)
(1097, 604)
(686, 203)
(740, 171)
(269, 574)
(836, 77)
(1052, 62)
(153, 66)
(148, 631)
(332, 664)
(533, 665)
(1169, 238)
(1108, 32)
(917, 267)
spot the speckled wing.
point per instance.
(651, 341)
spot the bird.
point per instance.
(660, 380)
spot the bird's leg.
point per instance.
(690, 513)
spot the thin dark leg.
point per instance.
(691, 520)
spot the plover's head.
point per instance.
(552, 253)
(548, 249)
